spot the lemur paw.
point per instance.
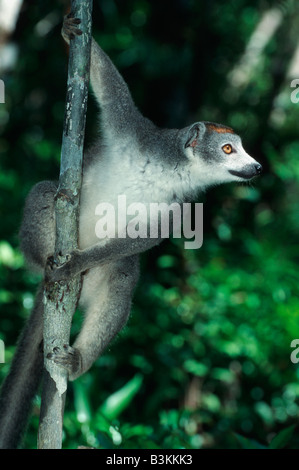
(69, 358)
(55, 273)
(70, 28)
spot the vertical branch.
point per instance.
(60, 299)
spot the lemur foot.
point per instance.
(64, 272)
(70, 28)
(54, 272)
(69, 358)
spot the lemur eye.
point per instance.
(227, 148)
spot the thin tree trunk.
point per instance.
(60, 299)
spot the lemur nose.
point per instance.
(258, 168)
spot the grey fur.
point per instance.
(22, 382)
(147, 164)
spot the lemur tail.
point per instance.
(22, 382)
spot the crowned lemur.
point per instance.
(133, 158)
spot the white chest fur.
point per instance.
(139, 179)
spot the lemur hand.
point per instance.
(55, 273)
(70, 28)
(69, 358)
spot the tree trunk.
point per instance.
(60, 299)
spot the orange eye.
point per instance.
(227, 149)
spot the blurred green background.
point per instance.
(204, 361)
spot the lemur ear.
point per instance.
(195, 134)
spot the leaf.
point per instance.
(197, 368)
(120, 400)
(246, 443)
(81, 402)
(282, 438)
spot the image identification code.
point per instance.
(157, 459)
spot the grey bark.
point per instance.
(60, 299)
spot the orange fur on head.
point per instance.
(220, 129)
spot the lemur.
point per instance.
(135, 158)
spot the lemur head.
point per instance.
(216, 154)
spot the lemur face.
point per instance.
(217, 155)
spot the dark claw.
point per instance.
(70, 26)
(55, 272)
(69, 358)
(51, 262)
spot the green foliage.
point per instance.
(204, 361)
(280, 441)
(120, 400)
(282, 438)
